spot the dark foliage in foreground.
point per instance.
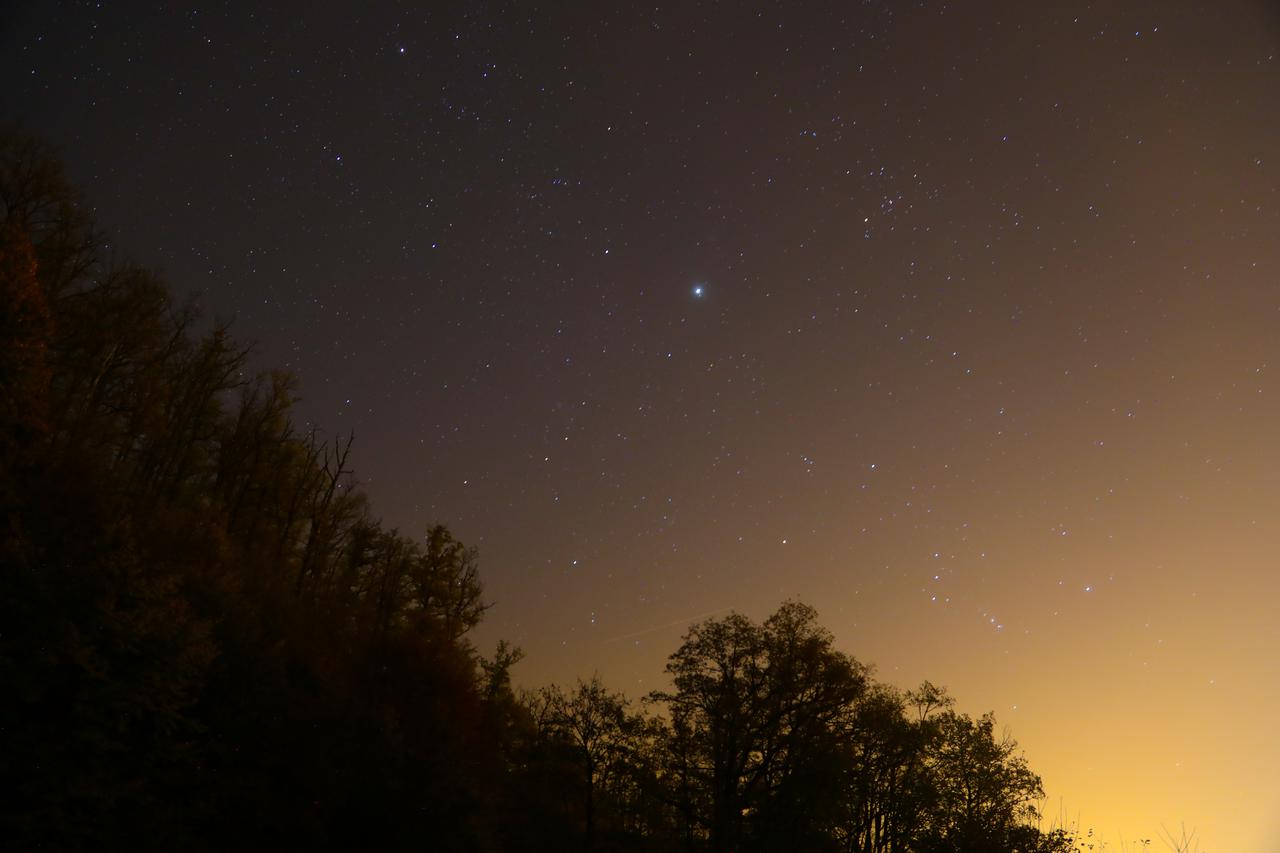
(207, 641)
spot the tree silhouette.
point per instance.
(986, 793)
(201, 617)
(208, 637)
(750, 709)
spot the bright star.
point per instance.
(698, 291)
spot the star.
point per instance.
(698, 291)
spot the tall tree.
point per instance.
(887, 788)
(750, 711)
(597, 732)
(986, 794)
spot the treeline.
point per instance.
(207, 641)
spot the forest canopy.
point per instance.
(210, 640)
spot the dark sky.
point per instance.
(958, 321)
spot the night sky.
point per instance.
(960, 322)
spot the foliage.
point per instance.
(201, 618)
(208, 641)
